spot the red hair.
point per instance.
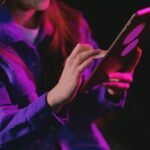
(66, 23)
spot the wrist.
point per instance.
(54, 101)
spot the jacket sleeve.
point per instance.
(37, 118)
(99, 102)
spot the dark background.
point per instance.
(129, 128)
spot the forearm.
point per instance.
(37, 117)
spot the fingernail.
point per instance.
(114, 80)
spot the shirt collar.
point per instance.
(9, 34)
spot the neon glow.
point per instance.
(130, 47)
(134, 33)
(143, 11)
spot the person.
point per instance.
(46, 53)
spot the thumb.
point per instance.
(135, 60)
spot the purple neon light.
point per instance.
(101, 141)
(143, 11)
(134, 33)
(130, 47)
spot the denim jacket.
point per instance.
(26, 120)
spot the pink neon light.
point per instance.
(134, 33)
(143, 11)
(130, 47)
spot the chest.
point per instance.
(21, 77)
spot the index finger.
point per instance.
(80, 48)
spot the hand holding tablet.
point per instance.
(124, 51)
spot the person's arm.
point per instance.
(15, 122)
(38, 117)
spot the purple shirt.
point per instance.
(26, 120)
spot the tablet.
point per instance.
(135, 32)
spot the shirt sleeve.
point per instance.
(36, 118)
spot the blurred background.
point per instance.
(129, 128)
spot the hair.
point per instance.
(65, 21)
(70, 28)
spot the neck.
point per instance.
(26, 18)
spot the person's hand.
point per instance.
(70, 80)
(119, 82)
